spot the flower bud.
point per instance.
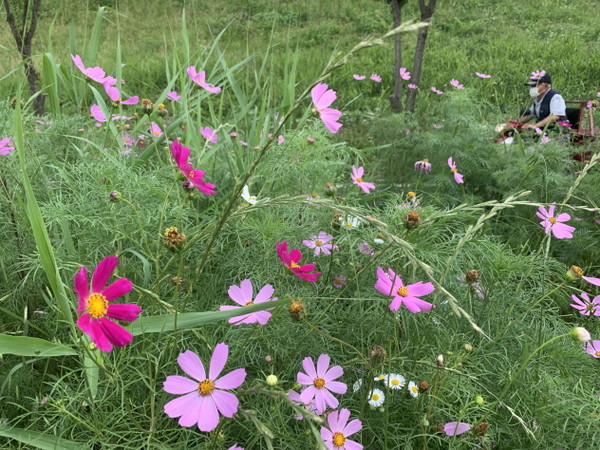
(423, 385)
(329, 189)
(269, 359)
(479, 400)
(472, 276)
(580, 334)
(114, 196)
(146, 105)
(574, 273)
(468, 348)
(481, 429)
(173, 239)
(440, 360)
(271, 380)
(412, 220)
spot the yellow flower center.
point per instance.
(552, 220)
(577, 271)
(294, 265)
(318, 243)
(349, 225)
(359, 180)
(171, 232)
(319, 383)
(402, 291)
(314, 195)
(249, 303)
(206, 387)
(97, 306)
(415, 389)
(411, 194)
(375, 397)
(425, 160)
(339, 439)
(598, 354)
(454, 170)
(395, 382)
(191, 174)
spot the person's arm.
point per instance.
(542, 123)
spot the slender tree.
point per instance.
(23, 33)
(427, 10)
(396, 95)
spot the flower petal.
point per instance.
(102, 272)
(178, 406)
(92, 328)
(191, 364)
(117, 289)
(80, 281)
(218, 360)
(209, 416)
(226, 402)
(116, 334)
(322, 365)
(176, 384)
(353, 427)
(337, 386)
(125, 312)
(309, 367)
(333, 373)
(232, 380)
(419, 289)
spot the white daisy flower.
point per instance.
(380, 377)
(413, 389)
(246, 196)
(395, 381)
(356, 386)
(379, 241)
(349, 222)
(376, 398)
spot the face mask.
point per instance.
(533, 92)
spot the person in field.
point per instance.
(548, 106)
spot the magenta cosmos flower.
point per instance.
(336, 435)
(243, 295)
(114, 94)
(320, 382)
(436, 90)
(412, 86)
(292, 259)
(391, 284)
(404, 74)
(359, 77)
(456, 428)
(357, 174)
(196, 177)
(376, 78)
(457, 176)
(322, 98)
(423, 166)
(593, 348)
(93, 73)
(200, 80)
(209, 134)
(482, 75)
(586, 306)
(559, 229)
(456, 84)
(173, 96)
(6, 146)
(96, 309)
(321, 243)
(203, 398)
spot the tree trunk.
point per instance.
(396, 95)
(427, 11)
(23, 38)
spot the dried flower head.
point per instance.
(472, 276)
(296, 310)
(481, 429)
(412, 220)
(162, 110)
(147, 105)
(378, 354)
(329, 189)
(173, 239)
(423, 386)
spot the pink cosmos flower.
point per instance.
(6, 146)
(93, 73)
(200, 80)
(320, 382)
(456, 428)
(114, 94)
(292, 259)
(203, 398)
(97, 113)
(196, 177)
(310, 140)
(96, 307)
(280, 140)
(311, 407)
(589, 104)
(391, 284)
(128, 140)
(545, 139)
(412, 86)
(173, 96)
(322, 98)
(423, 166)
(437, 126)
(559, 229)
(366, 249)
(586, 306)
(376, 78)
(456, 84)
(339, 281)
(336, 435)
(436, 90)
(359, 77)
(404, 74)
(482, 75)
(537, 74)
(593, 348)
(565, 123)
(357, 179)
(242, 295)
(321, 243)
(155, 130)
(457, 176)
(209, 134)
(235, 447)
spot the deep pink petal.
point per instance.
(312, 277)
(176, 384)
(232, 380)
(218, 360)
(80, 281)
(322, 365)
(125, 312)
(295, 255)
(102, 272)
(117, 289)
(191, 364)
(226, 402)
(115, 333)
(92, 328)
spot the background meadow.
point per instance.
(75, 191)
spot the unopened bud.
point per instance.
(423, 386)
(472, 276)
(580, 334)
(440, 360)
(468, 348)
(479, 400)
(296, 310)
(574, 273)
(271, 380)
(114, 196)
(268, 359)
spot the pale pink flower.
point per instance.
(97, 113)
(320, 382)
(155, 130)
(589, 104)
(233, 135)
(412, 86)
(456, 428)
(96, 74)
(366, 249)
(559, 229)
(339, 281)
(376, 78)
(592, 348)
(200, 80)
(336, 435)
(538, 130)
(457, 176)
(456, 84)
(321, 243)
(128, 140)
(586, 306)
(280, 140)
(537, 74)
(310, 140)
(357, 174)
(392, 285)
(545, 139)
(114, 94)
(203, 397)
(322, 98)
(6, 146)
(359, 77)
(209, 134)
(96, 307)
(181, 155)
(423, 166)
(173, 96)
(482, 75)
(404, 74)
(436, 90)
(311, 407)
(243, 296)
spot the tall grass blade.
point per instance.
(30, 346)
